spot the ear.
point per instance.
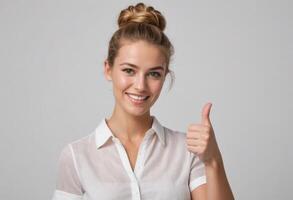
(107, 71)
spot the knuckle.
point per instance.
(189, 135)
(191, 126)
(188, 142)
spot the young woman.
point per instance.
(130, 155)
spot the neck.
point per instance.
(128, 127)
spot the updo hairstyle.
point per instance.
(141, 22)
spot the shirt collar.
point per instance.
(103, 132)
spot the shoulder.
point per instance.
(78, 146)
(175, 138)
(84, 141)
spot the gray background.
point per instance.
(236, 54)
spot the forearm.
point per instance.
(218, 187)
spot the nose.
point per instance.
(140, 83)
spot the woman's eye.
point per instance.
(155, 74)
(128, 71)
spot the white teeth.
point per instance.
(139, 98)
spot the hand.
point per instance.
(201, 139)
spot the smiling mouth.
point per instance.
(137, 99)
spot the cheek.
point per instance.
(122, 83)
(156, 86)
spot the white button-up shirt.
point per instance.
(97, 167)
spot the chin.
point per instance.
(137, 112)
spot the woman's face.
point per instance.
(138, 74)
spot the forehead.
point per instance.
(140, 53)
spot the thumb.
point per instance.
(205, 116)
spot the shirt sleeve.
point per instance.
(68, 185)
(197, 172)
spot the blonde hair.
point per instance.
(141, 22)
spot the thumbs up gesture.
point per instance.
(201, 139)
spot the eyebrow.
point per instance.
(135, 66)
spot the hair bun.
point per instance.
(140, 13)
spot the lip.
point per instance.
(136, 102)
(136, 94)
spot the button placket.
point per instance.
(124, 158)
(141, 154)
(135, 191)
(126, 163)
(139, 161)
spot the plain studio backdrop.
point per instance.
(235, 54)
